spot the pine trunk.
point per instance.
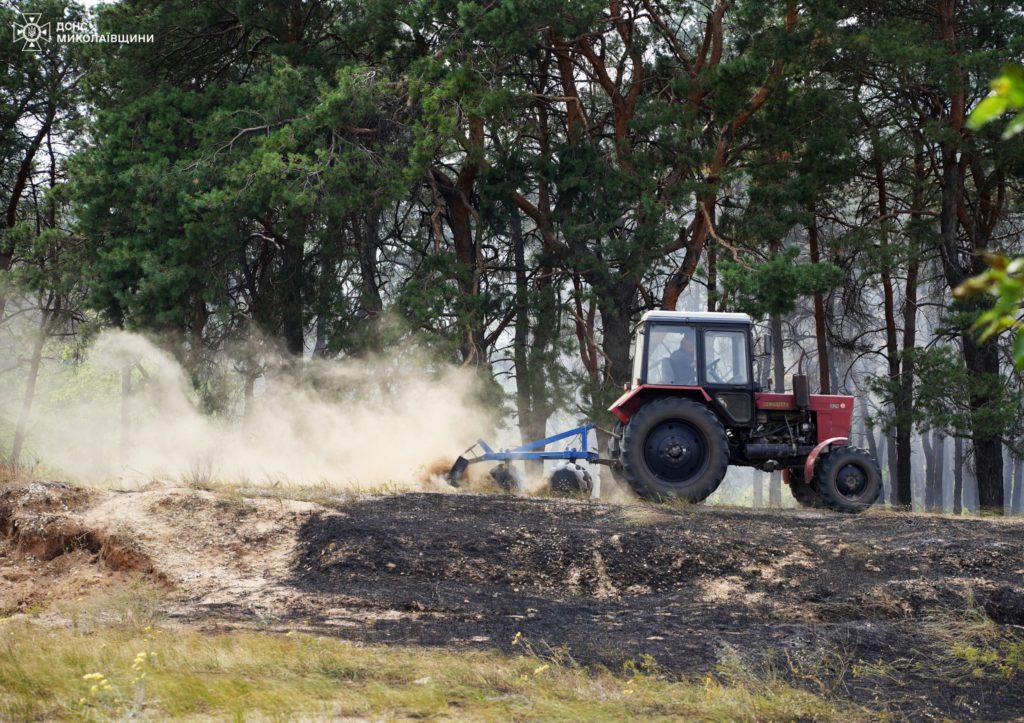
(929, 472)
(292, 283)
(1018, 487)
(890, 460)
(958, 476)
(529, 355)
(819, 313)
(939, 481)
(21, 429)
(983, 361)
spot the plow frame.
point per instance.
(530, 450)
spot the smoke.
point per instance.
(384, 420)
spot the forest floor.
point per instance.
(881, 615)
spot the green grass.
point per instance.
(112, 660)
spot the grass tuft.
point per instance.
(969, 644)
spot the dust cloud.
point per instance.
(381, 421)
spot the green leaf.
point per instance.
(1018, 350)
(1014, 127)
(988, 109)
(974, 285)
(1011, 81)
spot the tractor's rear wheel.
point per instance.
(848, 479)
(674, 448)
(803, 492)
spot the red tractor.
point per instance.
(694, 408)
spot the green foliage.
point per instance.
(774, 286)
(946, 394)
(1005, 660)
(1005, 278)
(221, 179)
(1007, 95)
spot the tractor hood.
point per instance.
(833, 411)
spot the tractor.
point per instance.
(694, 407)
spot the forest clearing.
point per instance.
(512, 359)
(698, 612)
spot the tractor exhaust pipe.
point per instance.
(801, 392)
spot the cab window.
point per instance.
(671, 355)
(725, 357)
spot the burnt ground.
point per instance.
(908, 615)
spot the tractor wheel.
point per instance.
(802, 492)
(674, 448)
(848, 479)
(571, 480)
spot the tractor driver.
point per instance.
(684, 359)
(672, 358)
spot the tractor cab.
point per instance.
(693, 349)
(701, 354)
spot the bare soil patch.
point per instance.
(877, 609)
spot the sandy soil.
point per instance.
(866, 608)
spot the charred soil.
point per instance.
(908, 615)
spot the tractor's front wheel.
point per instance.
(674, 448)
(848, 479)
(802, 491)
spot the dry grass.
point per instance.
(322, 492)
(11, 472)
(959, 644)
(114, 659)
(969, 644)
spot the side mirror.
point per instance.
(766, 345)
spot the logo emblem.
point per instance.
(31, 32)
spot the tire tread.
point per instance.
(829, 466)
(633, 470)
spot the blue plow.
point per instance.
(531, 450)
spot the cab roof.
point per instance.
(702, 317)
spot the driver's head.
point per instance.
(686, 343)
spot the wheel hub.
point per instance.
(675, 452)
(851, 481)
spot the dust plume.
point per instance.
(129, 414)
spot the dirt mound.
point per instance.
(837, 602)
(46, 553)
